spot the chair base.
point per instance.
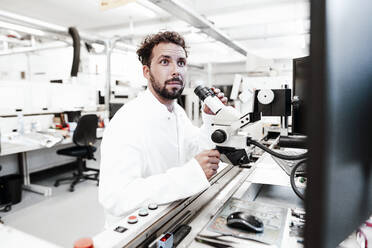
(80, 176)
(76, 178)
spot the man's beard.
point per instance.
(171, 94)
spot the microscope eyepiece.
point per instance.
(203, 92)
(207, 96)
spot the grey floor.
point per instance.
(61, 218)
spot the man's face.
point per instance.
(167, 70)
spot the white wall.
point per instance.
(32, 97)
(35, 92)
(224, 73)
(38, 66)
(127, 68)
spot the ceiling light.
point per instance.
(188, 15)
(32, 21)
(23, 29)
(147, 8)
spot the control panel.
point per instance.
(129, 227)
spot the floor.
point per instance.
(61, 218)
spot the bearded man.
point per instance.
(151, 153)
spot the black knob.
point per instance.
(203, 92)
(219, 136)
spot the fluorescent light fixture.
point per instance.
(32, 49)
(146, 8)
(23, 29)
(111, 4)
(32, 21)
(176, 8)
(196, 38)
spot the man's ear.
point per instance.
(146, 72)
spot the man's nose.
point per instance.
(175, 70)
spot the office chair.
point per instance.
(84, 137)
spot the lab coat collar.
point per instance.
(155, 102)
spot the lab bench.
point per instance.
(230, 184)
(26, 158)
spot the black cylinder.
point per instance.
(76, 44)
(203, 92)
(293, 141)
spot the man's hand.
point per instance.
(220, 95)
(209, 160)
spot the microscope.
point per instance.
(234, 145)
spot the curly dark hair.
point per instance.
(145, 51)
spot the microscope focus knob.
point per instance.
(219, 136)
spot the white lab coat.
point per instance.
(147, 157)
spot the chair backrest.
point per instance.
(85, 132)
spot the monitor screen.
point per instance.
(73, 116)
(339, 190)
(114, 107)
(301, 80)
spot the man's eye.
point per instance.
(164, 62)
(181, 63)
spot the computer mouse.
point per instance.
(245, 221)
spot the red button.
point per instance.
(84, 243)
(132, 219)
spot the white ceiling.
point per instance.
(266, 28)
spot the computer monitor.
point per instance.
(301, 80)
(73, 116)
(339, 190)
(113, 108)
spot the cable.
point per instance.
(292, 179)
(76, 44)
(302, 157)
(276, 154)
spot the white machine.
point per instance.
(226, 127)
(236, 147)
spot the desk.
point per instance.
(197, 211)
(247, 190)
(8, 148)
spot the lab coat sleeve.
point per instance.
(198, 139)
(123, 188)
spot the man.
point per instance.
(150, 152)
